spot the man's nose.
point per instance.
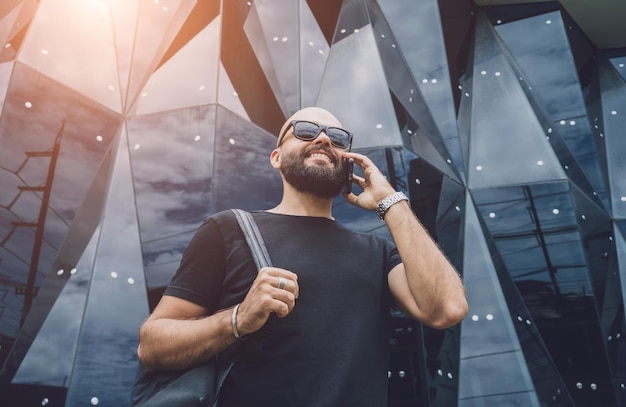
(322, 138)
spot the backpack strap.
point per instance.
(253, 238)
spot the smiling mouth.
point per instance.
(321, 156)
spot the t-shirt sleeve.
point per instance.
(393, 256)
(202, 268)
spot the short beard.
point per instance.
(322, 182)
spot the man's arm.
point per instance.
(425, 286)
(180, 334)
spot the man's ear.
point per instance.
(275, 158)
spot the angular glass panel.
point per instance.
(243, 176)
(616, 346)
(156, 27)
(488, 339)
(272, 29)
(314, 51)
(613, 96)
(51, 49)
(188, 78)
(620, 246)
(537, 232)
(507, 144)
(540, 49)
(227, 95)
(50, 359)
(244, 70)
(352, 17)
(5, 76)
(520, 399)
(52, 142)
(79, 233)
(15, 17)
(372, 120)
(620, 66)
(540, 46)
(106, 361)
(172, 161)
(427, 62)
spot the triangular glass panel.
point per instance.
(541, 56)
(492, 364)
(613, 99)
(172, 160)
(507, 143)
(106, 356)
(188, 78)
(92, 71)
(427, 64)
(156, 28)
(362, 96)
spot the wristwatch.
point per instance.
(390, 200)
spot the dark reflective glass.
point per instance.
(508, 145)
(172, 162)
(613, 99)
(542, 52)
(274, 35)
(242, 177)
(53, 153)
(619, 63)
(536, 230)
(116, 304)
(424, 66)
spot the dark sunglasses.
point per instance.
(309, 131)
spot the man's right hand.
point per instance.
(266, 297)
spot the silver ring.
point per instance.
(281, 283)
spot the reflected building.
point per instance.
(124, 123)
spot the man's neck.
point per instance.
(302, 204)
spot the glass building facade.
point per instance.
(124, 123)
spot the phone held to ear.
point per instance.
(349, 171)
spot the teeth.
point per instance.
(319, 155)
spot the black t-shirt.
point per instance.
(333, 349)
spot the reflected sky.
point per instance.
(366, 107)
(274, 36)
(613, 99)
(187, 79)
(49, 361)
(117, 286)
(508, 145)
(43, 110)
(427, 62)
(541, 50)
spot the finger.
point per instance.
(280, 278)
(360, 181)
(361, 160)
(289, 286)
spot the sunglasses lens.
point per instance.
(306, 131)
(339, 137)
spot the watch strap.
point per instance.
(388, 202)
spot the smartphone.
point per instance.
(349, 171)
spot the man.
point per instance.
(321, 314)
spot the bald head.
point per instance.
(312, 114)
